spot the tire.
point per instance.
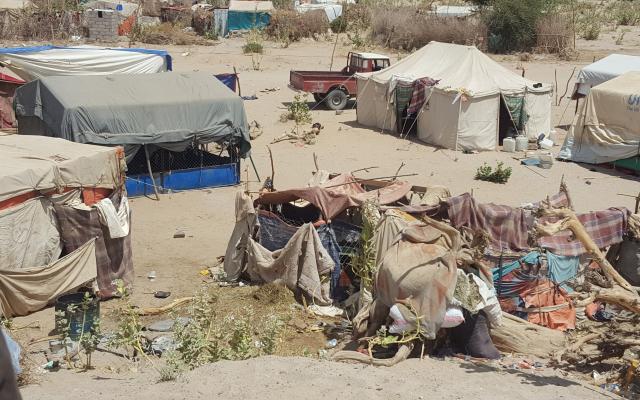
(319, 97)
(337, 99)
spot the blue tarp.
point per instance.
(36, 49)
(229, 80)
(244, 21)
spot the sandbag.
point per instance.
(472, 337)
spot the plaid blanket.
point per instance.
(508, 227)
(606, 228)
(419, 95)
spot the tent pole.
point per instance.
(255, 169)
(153, 181)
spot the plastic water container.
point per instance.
(522, 143)
(509, 145)
(546, 144)
(555, 137)
(546, 160)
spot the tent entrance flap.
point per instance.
(512, 116)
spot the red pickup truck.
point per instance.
(336, 87)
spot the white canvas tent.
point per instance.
(603, 70)
(607, 126)
(463, 109)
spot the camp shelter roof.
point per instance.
(338, 194)
(40, 163)
(41, 61)
(250, 6)
(608, 68)
(168, 108)
(457, 67)
(607, 126)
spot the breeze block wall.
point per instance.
(102, 24)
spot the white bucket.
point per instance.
(555, 137)
(546, 144)
(509, 145)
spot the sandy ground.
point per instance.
(207, 218)
(271, 378)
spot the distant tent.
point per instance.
(172, 116)
(603, 70)
(473, 105)
(38, 62)
(247, 14)
(8, 86)
(607, 126)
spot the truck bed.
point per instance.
(320, 82)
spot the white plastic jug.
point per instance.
(522, 143)
(509, 145)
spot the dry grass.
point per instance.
(34, 24)
(554, 34)
(409, 28)
(288, 26)
(167, 33)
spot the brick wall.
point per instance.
(102, 24)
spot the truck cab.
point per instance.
(365, 62)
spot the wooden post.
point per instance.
(153, 180)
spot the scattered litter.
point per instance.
(152, 276)
(162, 344)
(339, 112)
(270, 90)
(161, 294)
(331, 343)
(530, 161)
(252, 97)
(167, 325)
(185, 54)
(326, 311)
(255, 129)
(179, 235)
(52, 365)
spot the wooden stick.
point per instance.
(315, 161)
(164, 309)
(566, 89)
(358, 180)
(153, 181)
(398, 171)
(237, 81)
(273, 170)
(571, 222)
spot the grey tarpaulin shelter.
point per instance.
(178, 112)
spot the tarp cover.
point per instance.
(38, 62)
(170, 110)
(607, 126)
(338, 194)
(28, 290)
(30, 163)
(605, 69)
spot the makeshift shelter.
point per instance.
(603, 70)
(459, 97)
(8, 86)
(31, 63)
(59, 198)
(607, 125)
(244, 15)
(172, 115)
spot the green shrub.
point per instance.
(338, 25)
(253, 43)
(290, 26)
(499, 175)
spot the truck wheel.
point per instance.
(337, 99)
(318, 97)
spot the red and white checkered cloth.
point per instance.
(419, 95)
(606, 228)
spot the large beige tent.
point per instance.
(607, 125)
(464, 109)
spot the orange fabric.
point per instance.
(126, 26)
(546, 294)
(91, 196)
(18, 200)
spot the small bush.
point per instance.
(298, 110)
(253, 43)
(626, 13)
(589, 22)
(512, 24)
(290, 26)
(499, 175)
